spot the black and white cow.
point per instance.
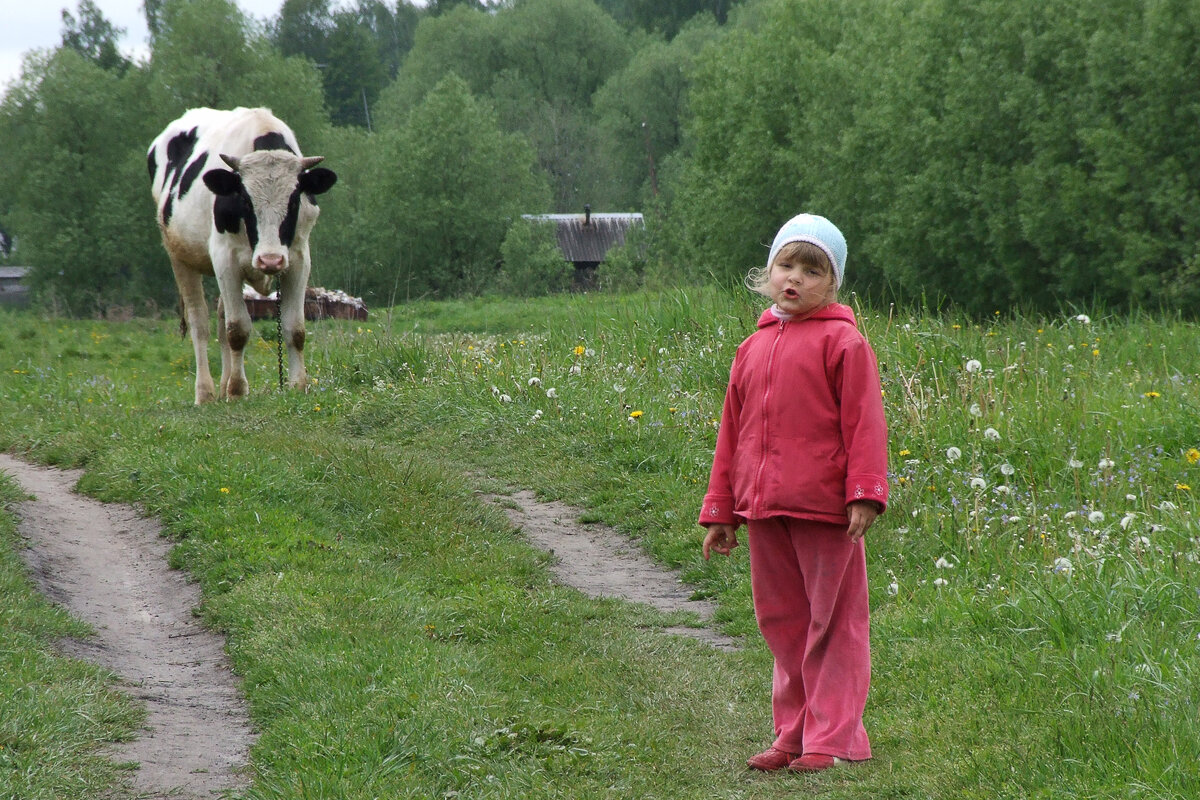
(246, 220)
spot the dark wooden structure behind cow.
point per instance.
(585, 239)
(13, 291)
(236, 199)
(319, 303)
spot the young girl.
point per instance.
(801, 458)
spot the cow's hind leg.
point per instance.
(195, 315)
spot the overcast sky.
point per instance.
(36, 24)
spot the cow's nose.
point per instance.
(270, 263)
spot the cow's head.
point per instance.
(273, 193)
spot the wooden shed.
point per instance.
(13, 291)
(586, 238)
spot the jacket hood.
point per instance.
(833, 311)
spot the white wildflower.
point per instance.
(1127, 520)
(618, 388)
(1063, 566)
(944, 563)
(953, 454)
(1002, 489)
(1084, 318)
(1075, 463)
(535, 381)
(941, 582)
(1106, 463)
(1131, 498)
(893, 589)
(505, 398)
(1070, 515)
(1007, 469)
(1096, 517)
(536, 416)
(991, 434)
(662, 351)
(576, 369)
(552, 393)
(975, 410)
(978, 483)
(973, 365)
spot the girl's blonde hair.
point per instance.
(808, 254)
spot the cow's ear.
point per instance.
(222, 182)
(317, 181)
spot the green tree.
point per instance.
(74, 137)
(641, 109)
(207, 53)
(93, 37)
(447, 186)
(533, 264)
(541, 61)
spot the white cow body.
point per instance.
(236, 199)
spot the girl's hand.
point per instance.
(862, 515)
(721, 538)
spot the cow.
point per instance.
(246, 221)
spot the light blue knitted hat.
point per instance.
(814, 230)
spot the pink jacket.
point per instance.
(802, 432)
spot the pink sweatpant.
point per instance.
(810, 597)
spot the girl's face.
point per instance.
(800, 287)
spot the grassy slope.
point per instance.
(397, 640)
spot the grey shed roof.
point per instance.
(13, 273)
(588, 237)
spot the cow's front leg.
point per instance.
(236, 332)
(291, 290)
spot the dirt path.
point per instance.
(602, 563)
(107, 565)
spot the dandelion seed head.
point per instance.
(991, 434)
(953, 454)
(973, 365)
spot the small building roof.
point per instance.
(13, 273)
(588, 237)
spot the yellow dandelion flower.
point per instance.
(1153, 395)
(1183, 487)
(224, 490)
(1192, 455)
(579, 350)
(1095, 352)
(905, 452)
(634, 414)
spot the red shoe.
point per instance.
(815, 762)
(772, 759)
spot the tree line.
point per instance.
(987, 154)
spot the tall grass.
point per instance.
(1033, 582)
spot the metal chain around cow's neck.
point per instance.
(279, 329)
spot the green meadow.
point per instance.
(1035, 585)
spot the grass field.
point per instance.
(1035, 582)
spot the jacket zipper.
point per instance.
(762, 455)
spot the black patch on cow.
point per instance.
(227, 216)
(152, 162)
(167, 209)
(287, 228)
(189, 174)
(179, 151)
(232, 206)
(272, 141)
